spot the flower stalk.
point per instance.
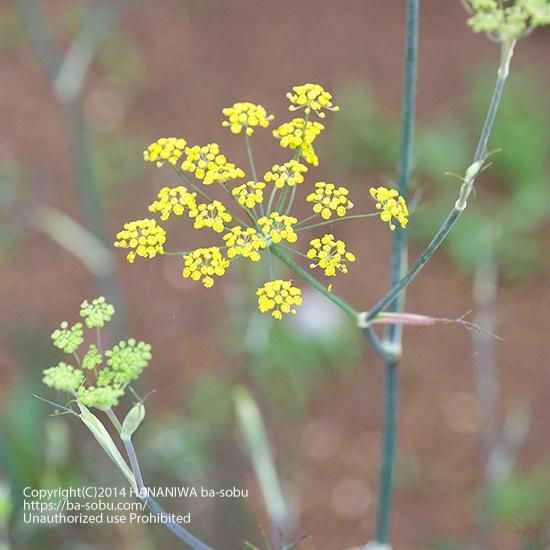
(391, 344)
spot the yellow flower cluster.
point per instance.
(209, 165)
(203, 263)
(279, 227)
(165, 150)
(300, 136)
(174, 201)
(213, 215)
(249, 194)
(246, 115)
(145, 237)
(289, 173)
(330, 255)
(279, 297)
(244, 242)
(392, 205)
(312, 97)
(328, 199)
(265, 226)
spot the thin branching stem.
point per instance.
(331, 221)
(466, 188)
(142, 493)
(250, 157)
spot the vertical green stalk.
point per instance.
(392, 340)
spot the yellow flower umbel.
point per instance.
(328, 199)
(299, 136)
(175, 200)
(249, 194)
(279, 227)
(311, 97)
(203, 263)
(330, 255)
(145, 237)
(279, 297)
(213, 215)
(247, 116)
(209, 165)
(392, 205)
(289, 173)
(165, 150)
(244, 242)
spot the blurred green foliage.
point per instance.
(10, 226)
(121, 61)
(183, 444)
(294, 363)
(522, 501)
(512, 196)
(117, 161)
(364, 137)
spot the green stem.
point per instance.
(282, 199)
(250, 157)
(114, 420)
(183, 534)
(291, 200)
(392, 340)
(317, 285)
(466, 188)
(191, 184)
(271, 199)
(306, 219)
(328, 222)
(294, 251)
(385, 490)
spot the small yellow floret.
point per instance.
(311, 97)
(244, 242)
(145, 237)
(328, 199)
(299, 136)
(213, 215)
(279, 227)
(279, 297)
(289, 173)
(165, 150)
(203, 263)
(209, 165)
(247, 116)
(392, 206)
(249, 194)
(175, 200)
(330, 255)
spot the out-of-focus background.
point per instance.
(474, 452)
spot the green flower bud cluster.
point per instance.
(63, 377)
(113, 370)
(100, 397)
(92, 358)
(97, 313)
(68, 338)
(508, 19)
(127, 360)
